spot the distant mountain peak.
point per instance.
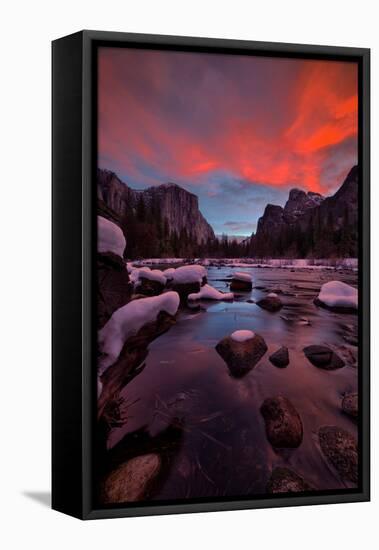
(308, 220)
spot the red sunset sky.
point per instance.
(237, 131)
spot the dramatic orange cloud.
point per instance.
(194, 118)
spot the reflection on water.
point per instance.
(225, 450)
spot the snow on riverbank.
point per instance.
(128, 320)
(207, 292)
(285, 263)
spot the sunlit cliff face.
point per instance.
(238, 131)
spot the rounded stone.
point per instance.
(323, 357)
(280, 358)
(284, 480)
(130, 482)
(284, 428)
(241, 357)
(341, 450)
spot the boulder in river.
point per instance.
(323, 357)
(271, 302)
(241, 351)
(241, 281)
(280, 358)
(131, 481)
(338, 297)
(284, 480)
(284, 428)
(350, 404)
(341, 450)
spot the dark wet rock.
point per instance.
(350, 404)
(150, 288)
(270, 303)
(131, 481)
(185, 289)
(284, 480)
(284, 428)
(237, 284)
(250, 301)
(323, 357)
(341, 450)
(280, 358)
(114, 288)
(241, 357)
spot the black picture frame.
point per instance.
(74, 243)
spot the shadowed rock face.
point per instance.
(284, 428)
(284, 480)
(341, 450)
(114, 289)
(176, 205)
(303, 227)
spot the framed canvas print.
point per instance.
(210, 274)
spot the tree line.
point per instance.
(148, 235)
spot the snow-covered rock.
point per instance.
(241, 351)
(338, 295)
(110, 238)
(242, 276)
(189, 274)
(153, 275)
(242, 335)
(207, 292)
(169, 273)
(151, 283)
(128, 320)
(241, 281)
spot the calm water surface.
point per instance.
(225, 451)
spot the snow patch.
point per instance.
(242, 335)
(110, 238)
(338, 294)
(169, 273)
(153, 275)
(241, 276)
(207, 292)
(128, 320)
